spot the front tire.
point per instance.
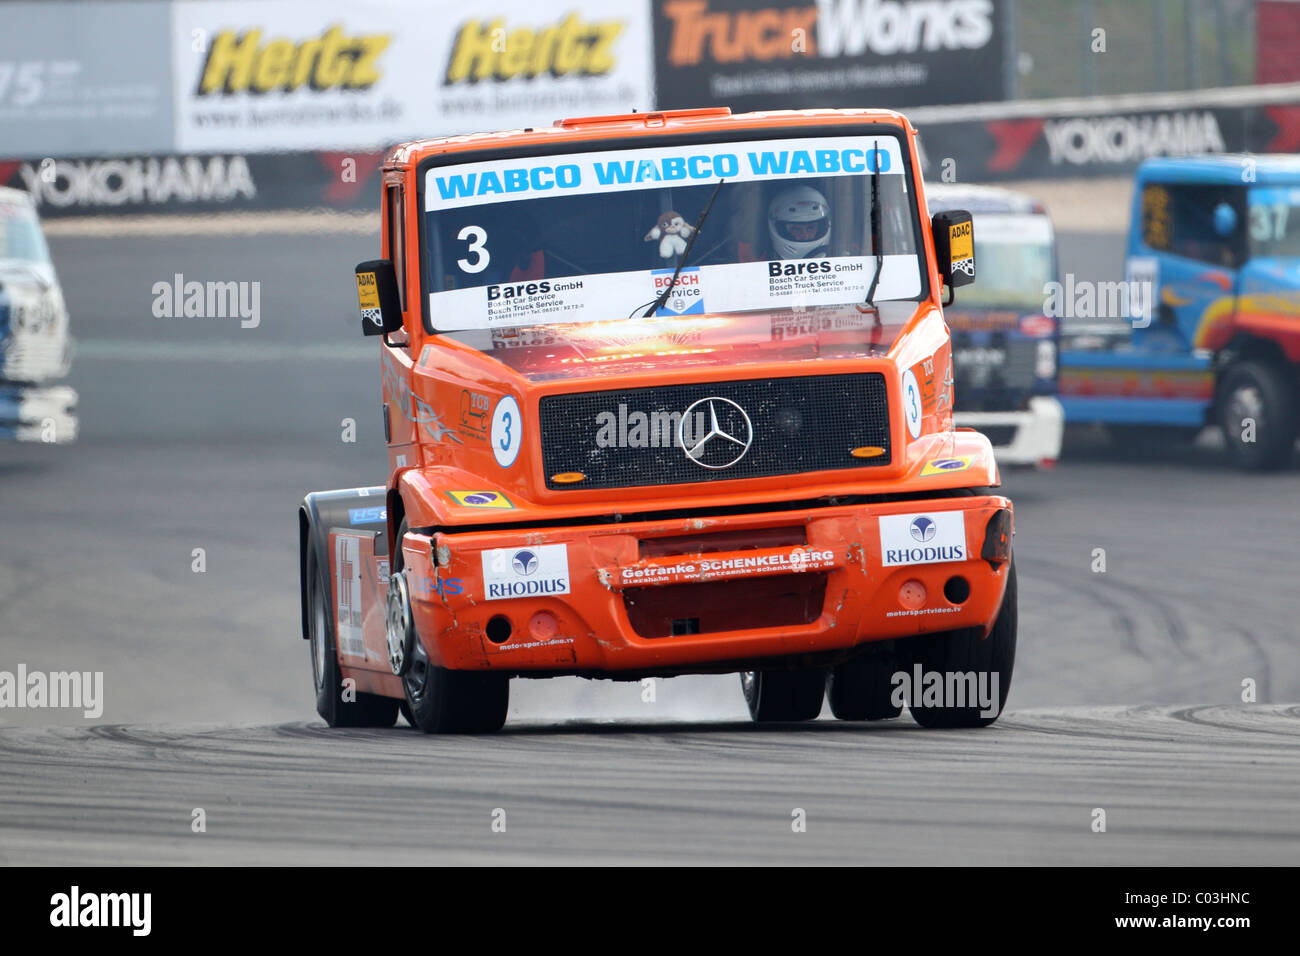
(1260, 393)
(367, 710)
(442, 701)
(862, 688)
(964, 652)
(784, 695)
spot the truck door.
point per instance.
(1195, 234)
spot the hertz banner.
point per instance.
(792, 54)
(334, 74)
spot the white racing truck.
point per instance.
(35, 344)
(1004, 348)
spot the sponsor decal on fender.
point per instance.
(480, 499)
(943, 466)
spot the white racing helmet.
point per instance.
(799, 222)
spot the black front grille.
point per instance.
(628, 437)
(993, 372)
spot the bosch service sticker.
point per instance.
(687, 297)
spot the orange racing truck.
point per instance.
(665, 393)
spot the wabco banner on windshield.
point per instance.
(600, 235)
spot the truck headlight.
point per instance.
(1045, 359)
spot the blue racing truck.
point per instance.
(1004, 348)
(1205, 328)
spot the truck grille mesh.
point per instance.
(629, 437)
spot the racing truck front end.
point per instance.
(616, 455)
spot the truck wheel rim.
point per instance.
(417, 676)
(398, 627)
(1246, 402)
(748, 683)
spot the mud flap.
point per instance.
(357, 509)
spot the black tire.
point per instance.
(861, 688)
(784, 695)
(368, 710)
(442, 701)
(963, 652)
(1262, 391)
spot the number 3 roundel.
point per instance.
(507, 432)
(912, 403)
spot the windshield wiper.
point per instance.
(876, 240)
(658, 303)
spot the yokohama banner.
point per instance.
(1104, 138)
(202, 182)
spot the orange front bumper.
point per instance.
(701, 594)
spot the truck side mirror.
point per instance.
(381, 308)
(954, 245)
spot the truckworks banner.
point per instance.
(787, 54)
(1102, 138)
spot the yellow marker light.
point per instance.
(867, 451)
(568, 478)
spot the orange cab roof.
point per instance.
(633, 124)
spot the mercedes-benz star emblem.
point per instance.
(727, 439)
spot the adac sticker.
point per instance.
(480, 499)
(941, 466)
(368, 297)
(961, 247)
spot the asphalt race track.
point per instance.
(197, 433)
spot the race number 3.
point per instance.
(912, 403)
(476, 236)
(507, 432)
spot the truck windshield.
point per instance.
(1274, 221)
(1015, 260)
(595, 236)
(20, 234)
